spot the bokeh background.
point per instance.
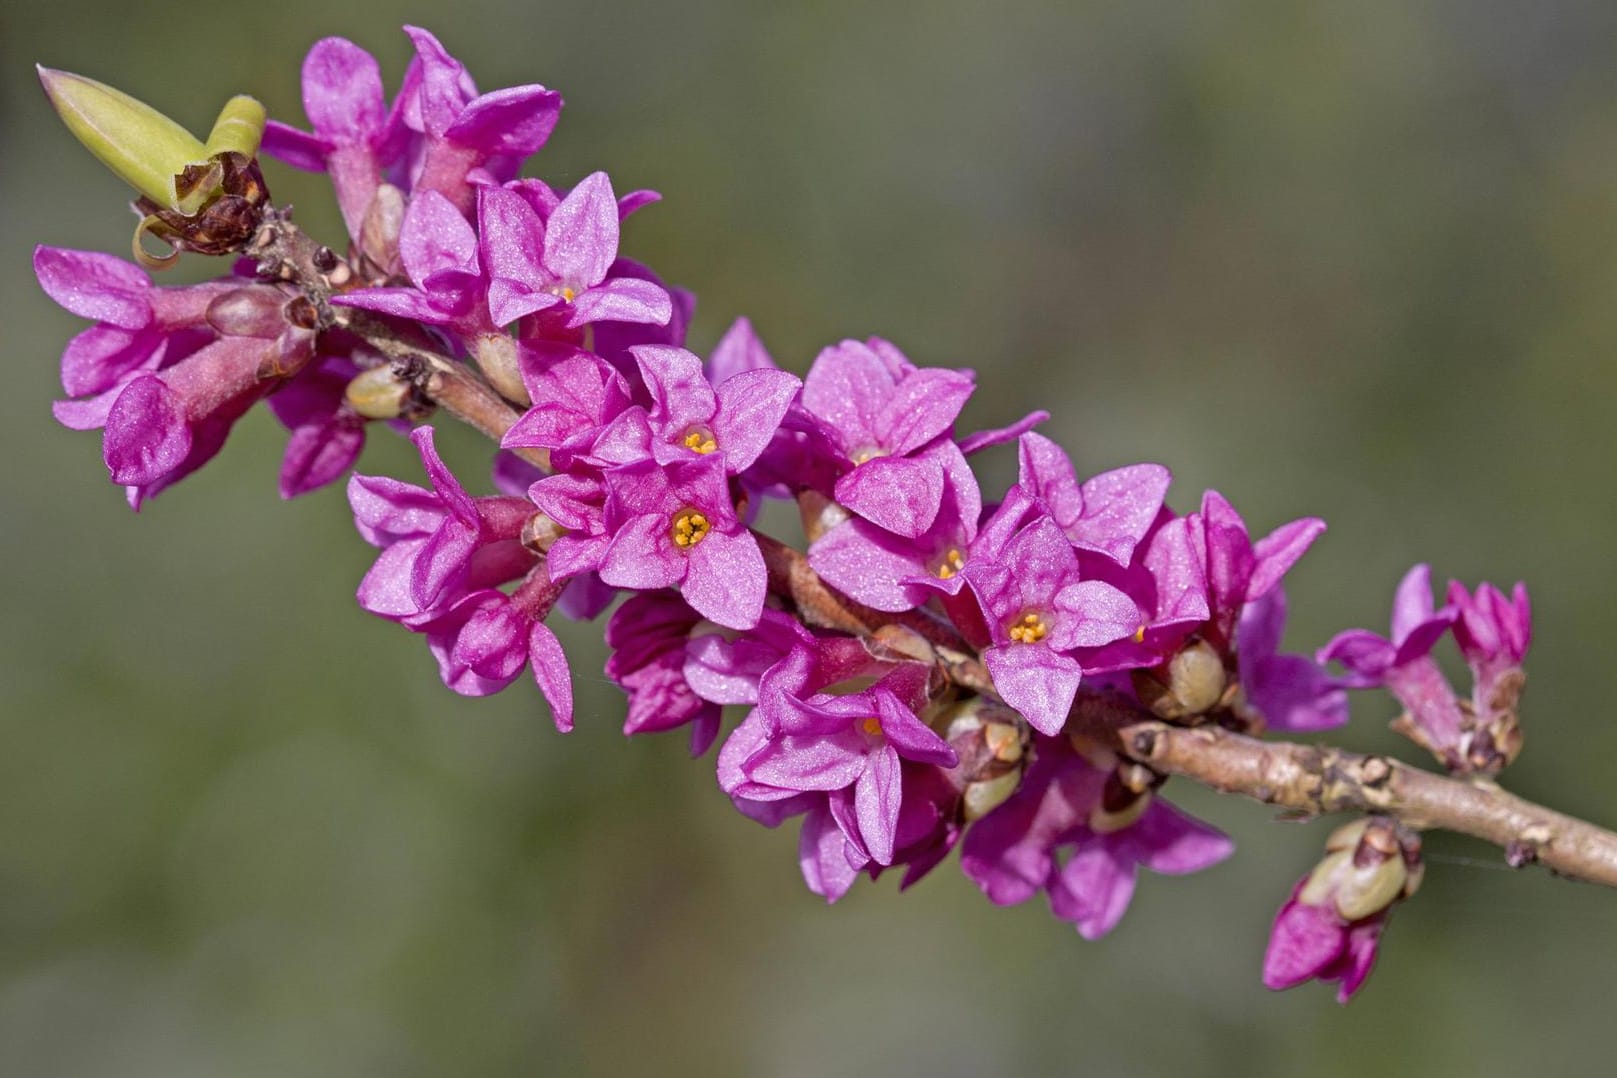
(1353, 260)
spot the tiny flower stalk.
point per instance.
(197, 196)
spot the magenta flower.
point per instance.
(327, 434)
(1240, 571)
(676, 525)
(166, 372)
(576, 395)
(1168, 581)
(467, 139)
(727, 668)
(139, 327)
(1404, 665)
(894, 572)
(691, 418)
(356, 137)
(847, 747)
(1310, 943)
(438, 545)
(1038, 609)
(1493, 632)
(485, 639)
(562, 265)
(612, 339)
(876, 410)
(648, 636)
(164, 424)
(1063, 804)
(1329, 929)
(439, 250)
(1109, 514)
(1292, 692)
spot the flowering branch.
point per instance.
(1314, 780)
(1014, 678)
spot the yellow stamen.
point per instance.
(690, 527)
(1139, 635)
(567, 294)
(1028, 629)
(951, 564)
(701, 441)
(873, 726)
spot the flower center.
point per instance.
(872, 726)
(700, 440)
(950, 564)
(566, 293)
(868, 453)
(690, 527)
(1028, 629)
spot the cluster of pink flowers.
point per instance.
(658, 462)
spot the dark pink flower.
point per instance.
(439, 545)
(876, 410)
(562, 265)
(1066, 803)
(1292, 693)
(1403, 664)
(356, 136)
(895, 572)
(485, 639)
(465, 139)
(648, 636)
(1329, 928)
(676, 525)
(843, 750)
(1038, 609)
(1109, 514)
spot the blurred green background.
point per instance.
(1354, 260)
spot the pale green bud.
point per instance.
(149, 151)
(142, 146)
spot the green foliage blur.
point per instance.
(1352, 260)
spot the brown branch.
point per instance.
(450, 385)
(1317, 779)
(285, 252)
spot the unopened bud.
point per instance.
(239, 128)
(253, 311)
(378, 393)
(146, 149)
(818, 513)
(1369, 890)
(1371, 863)
(1193, 682)
(990, 743)
(1347, 836)
(496, 355)
(1105, 821)
(980, 798)
(140, 145)
(539, 532)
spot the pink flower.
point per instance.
(1330, 927)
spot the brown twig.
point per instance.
(285, 252)
(1318, 779)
